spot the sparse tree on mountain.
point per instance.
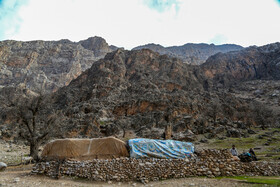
(262, 115)
(213, 109)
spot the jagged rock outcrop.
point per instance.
(191, 53)
(98, 45)
(249, 64)
(45, 66)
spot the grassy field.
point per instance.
(266, 143)
(259, 181)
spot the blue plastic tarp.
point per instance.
(146, 148)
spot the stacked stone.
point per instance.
(217, 163)
(262, 168)
(208, 163)
(47, 168)
(214, 153)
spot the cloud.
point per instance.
(9, 18)
(162, 5)
(218, 39)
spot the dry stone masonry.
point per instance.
(209, 163)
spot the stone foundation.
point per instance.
(209, 163)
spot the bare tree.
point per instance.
(213, 109)
(262, 115)
(37, 123)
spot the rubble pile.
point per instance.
(209, 163)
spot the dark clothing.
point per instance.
(253, 155)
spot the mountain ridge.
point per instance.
(191, 53)
(51, 63)
(248, 64)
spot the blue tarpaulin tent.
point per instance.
(145, 148)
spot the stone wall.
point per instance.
(209, 163)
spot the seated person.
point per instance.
(233, 151)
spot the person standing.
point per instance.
(234, 151)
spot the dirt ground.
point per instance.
(20, 176)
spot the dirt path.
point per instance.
(19, 176)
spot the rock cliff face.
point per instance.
(128, 90)
(191, 53)
(47, 65)
(249, 64)
(28, 69)
(140, 93)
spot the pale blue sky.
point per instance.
(129, 23)
(10, 22)
(162, 5)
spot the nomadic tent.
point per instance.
(85, 149)
(145, 148)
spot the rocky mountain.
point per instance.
(47, 65)
(140, 93)
(191, 53)
(248, 64)
(29, 69)
(134, 90)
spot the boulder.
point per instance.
(203, 140)
(3, 166)
(250, 131)
(233, 133)
(187, 136)
(219, 129)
